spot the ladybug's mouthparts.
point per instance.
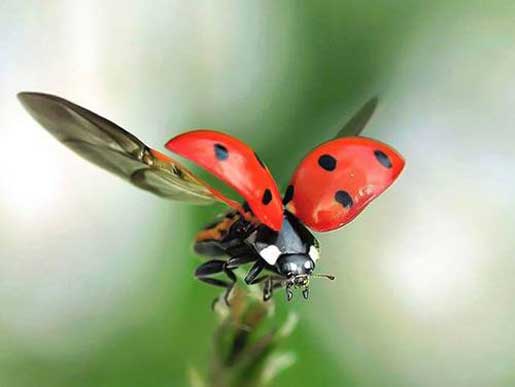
(302, 281)
(298, 281)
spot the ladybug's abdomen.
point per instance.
(209, 241)
(225, 233)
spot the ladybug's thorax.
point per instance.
(291, 252)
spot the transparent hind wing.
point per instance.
(359, 120)
(112, 148)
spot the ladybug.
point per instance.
(329, 188)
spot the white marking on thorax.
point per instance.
(270, 254)
(313, 253)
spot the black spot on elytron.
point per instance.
(343, 198)
(260, 161)
(221, 152)
(288, 195)
(327, 162)
(267, 197)
(383, 159)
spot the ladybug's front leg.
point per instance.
(271, 283)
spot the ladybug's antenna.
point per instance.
(327, 276)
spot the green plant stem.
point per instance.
(246, 348)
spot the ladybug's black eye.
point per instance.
(308, 266)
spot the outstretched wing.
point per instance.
(236, 164)
(359, 120)
(339, 178)
(112, 148)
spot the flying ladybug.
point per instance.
(271, 233)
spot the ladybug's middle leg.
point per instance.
(236, 261)
(254, 272)
(231, 264)
(209, 268)
(205, 272)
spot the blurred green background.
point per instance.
(96, 284)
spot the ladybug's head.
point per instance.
(298, 270)
(292, 252)
(295, 265)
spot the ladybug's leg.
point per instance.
(277, 282)
(207, 269)
(267, 289)
(289, 292)
(232, 277)
(234, 262)
(254, 272)
(259, 280)
(215, 266)
(230, 265)
(210, 267)
(271, 283)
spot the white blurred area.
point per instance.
(427, 291)
(77, 243)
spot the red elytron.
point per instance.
(329, 188)
(337, 180)
(236, 164)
